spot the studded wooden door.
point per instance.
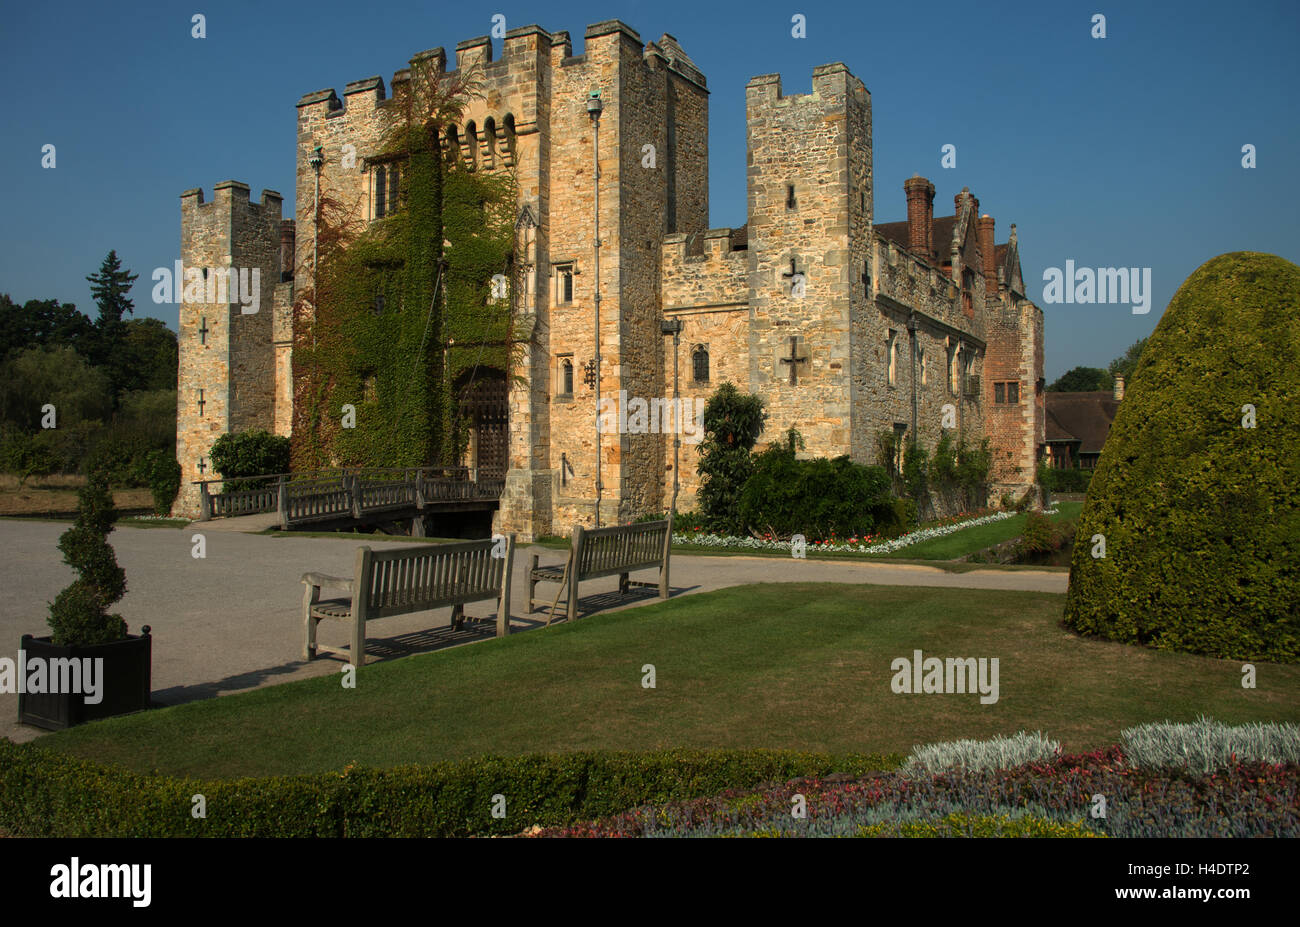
(484, 405)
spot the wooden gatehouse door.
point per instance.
(483, 402)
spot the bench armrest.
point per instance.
(324, 579)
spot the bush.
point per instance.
(1207, 745)
(249, 453)
(79, 614)
(732, 423)
(1072, 479)
(1199, 510)
(164, 480)
(1037, 536)
(49, 794)
(996, 753)
(901, 518)
(817, 498)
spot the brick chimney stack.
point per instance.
(1118, 393)
(920, 215)
(987, 251)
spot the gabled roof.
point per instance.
(1082, 417)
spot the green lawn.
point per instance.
(800, 666)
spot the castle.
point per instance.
(846, 328)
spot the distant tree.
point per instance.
(144, 358)
(57, 376)
(1125, 364)
(43, 322)
(110, 287)
(1082, 380)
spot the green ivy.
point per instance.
(402, 311)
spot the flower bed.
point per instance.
(867, 545)
(1056, 798)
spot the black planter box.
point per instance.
(124, 684)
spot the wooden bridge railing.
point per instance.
(326, 495)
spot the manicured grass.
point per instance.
(800, 666)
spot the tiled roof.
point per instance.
(1082, 417)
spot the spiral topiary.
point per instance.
(79, 614)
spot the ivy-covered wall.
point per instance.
(403, 310)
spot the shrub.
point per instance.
(901, 518)
(46, 793)
(118, 458)
(915, 471)
(818, 498)
(1199, 510)
(732, 423)
(996, 753)
(164, 480)
(249, 453)
(1072, 479)
(1037, 536)
(79, 614)
(1206, 745)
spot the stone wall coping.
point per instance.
(320, 96)
(608, 26)
(531, 29)
(475, 42)
(366, 83)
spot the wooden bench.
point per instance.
(410, 579)
(597, 552)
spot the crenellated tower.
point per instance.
(231, 265)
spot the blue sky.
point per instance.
(1115, 152)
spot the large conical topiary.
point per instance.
(79, 614)
(1200, 513)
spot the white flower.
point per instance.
(880, 547)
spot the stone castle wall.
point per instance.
(810, 198)
(224, 352)
(802, 142)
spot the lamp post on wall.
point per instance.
(674, 327)
(594, 107)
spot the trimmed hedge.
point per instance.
(49, 794)
(1200, 513)
(1071, 479)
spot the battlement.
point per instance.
(713, 245)
(521, 50)
(705, 269)
(831, 83)
(230, 193)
